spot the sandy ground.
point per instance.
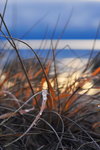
(69, 70)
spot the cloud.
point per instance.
(74, 44)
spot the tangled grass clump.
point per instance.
(66, 120)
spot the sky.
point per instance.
(65, 19)
(32, 20)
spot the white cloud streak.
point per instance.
(74, 44)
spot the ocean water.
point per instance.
(66, 53)
(62, 57)
(66, 60)
(59, 53)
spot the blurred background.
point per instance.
(73, 22)
(71, 27)
(32, 19)
(58, 19)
